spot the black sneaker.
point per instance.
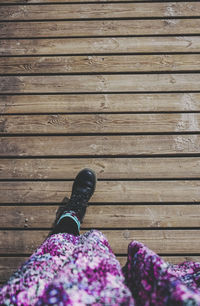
(82, 190)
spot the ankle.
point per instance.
(70, 214)
(66, 225)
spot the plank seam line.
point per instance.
(164, 156)
(11, 135)
(102, 156)
(27, 204)
(105, 228)
(92, 204)
(101, 113)
(99, 19)
(98, 54)
(10, 255)
(171, 72)
(156, 179)
(101, 36)
(162, 254)
(97, 92)
(88, 2)
(14, 255)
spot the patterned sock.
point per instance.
(72, 215)
(67, 223)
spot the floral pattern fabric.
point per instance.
(82, 270)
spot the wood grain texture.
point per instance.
(160, 241)
(118, 216)
(100, 10)
(171, 259)
(100, 64)
(105, 168)
(106, 45)
(133, 145)
(100, 83)
(107, 191)
(9, 265)
(99, 28)
(81, 103)
(100, 123)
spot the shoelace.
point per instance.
(74, 208)
(77, 202)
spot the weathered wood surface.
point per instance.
(81, 103)
(171, 259)
(84, 64)
(110, 10)
(97, 45)
(105, 168)
(160, 241)
(99, 28)
(171, 191)
(100, 123)
(133, 145)
(100, 83)
(108, 216)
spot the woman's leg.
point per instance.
(26, 285)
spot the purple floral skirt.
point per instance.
(82, 270)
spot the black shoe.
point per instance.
(82, 190)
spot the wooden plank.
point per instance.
(107, 191)
(8, 265)
(171, 259)
(106, 45)
(133, 145)
(100, 123)
(109, 216)
(105, 168)
(73, 103)
(100, 83)
(160, 241)
(100, 64)
(108, 10)
(99, 28)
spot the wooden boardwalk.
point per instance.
(114, 86)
